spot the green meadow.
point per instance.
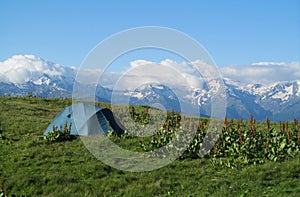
(249, 159)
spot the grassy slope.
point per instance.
(30, 166)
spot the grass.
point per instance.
(32, 167)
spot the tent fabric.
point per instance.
(113, 121)
(90, 120)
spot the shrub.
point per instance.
(239, 143)
(61, 134)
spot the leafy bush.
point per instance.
(142, 117)
(243, 144)
(239, 143)
(60, 135)
(164, 134)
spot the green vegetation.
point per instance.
(31, 166)
(60, 135)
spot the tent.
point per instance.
(86, 119)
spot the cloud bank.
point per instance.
(263, 72)
(22, 68)
(183, 74)
(166, 72)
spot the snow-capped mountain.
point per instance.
(279, 101)
(156, 95)
(23, 74)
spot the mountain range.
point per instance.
(280, 101)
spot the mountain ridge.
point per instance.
(31, 74)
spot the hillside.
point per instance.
(31, 166)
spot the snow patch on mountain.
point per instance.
(22, 74)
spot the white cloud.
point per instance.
(268, 64)
(263, 72)
(23, 68)
(166, 72)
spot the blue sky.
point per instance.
(233, 32)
